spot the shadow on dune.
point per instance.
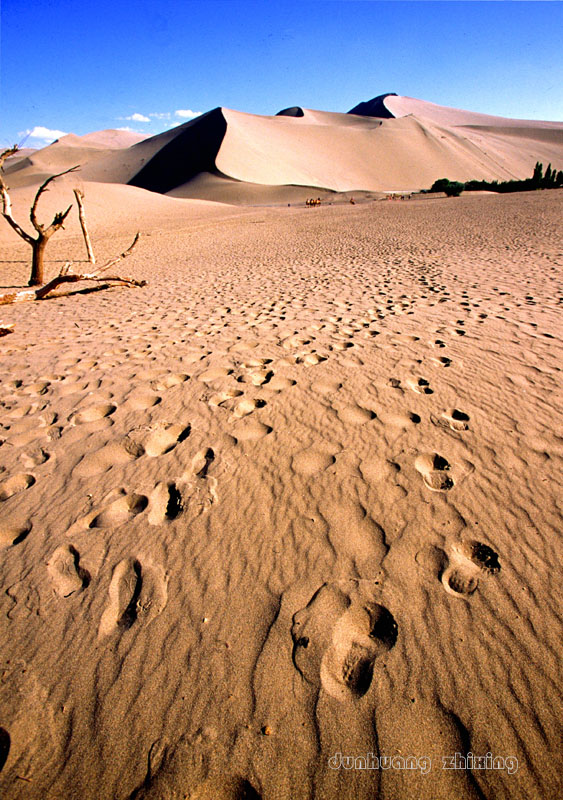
(192, 151)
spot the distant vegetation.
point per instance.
(551, 180)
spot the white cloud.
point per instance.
(158, 115)
(187, 113)
(127, 128)
(136, 117)
(45, 134)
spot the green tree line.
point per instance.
(552, 179)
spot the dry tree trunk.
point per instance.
(79, 198)
(38, 243)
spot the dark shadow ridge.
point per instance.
(374, 108)
(192, 151)
(4, 747)
(294, 111)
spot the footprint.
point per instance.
(14, 532)
(221, 398)
(38, 388)
(442, 361)
(252, 363)
(247, 406)
(14, 485)
(434, 468)
(338, 637)
(173, 379)
(326, 386)
(32, 423)
(257, 378)
(310, 462)
(278, 384)
(431, 561)
(165, 438)
(35, 457)
(310, 359)
(453, 418)
(293, 342)
(216, 373)
(250, 431)
(113, 454)
(136, 592)
(420, 386)
(468, 560)
(119, 511)
(201, 462)
(165, 503)
(23, 411)
(124, 590)
(139, 401)
(355, 415)
(116, 509)
(225, 788)
(92, 413)
(404, 421)
(66, 573)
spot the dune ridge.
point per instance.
(406, 147)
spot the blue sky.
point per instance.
(79, 66)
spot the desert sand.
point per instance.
(293, 507)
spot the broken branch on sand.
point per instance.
(64, 276)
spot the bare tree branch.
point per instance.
(120, 257)
(57, 222)
(43, 188)
(6, 203)
(82, 218)
(43, 291)
(26, 295)
(7, 153)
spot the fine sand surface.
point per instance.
(296, 501)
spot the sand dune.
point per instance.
(343, 152)
(406, 148)
(70, 150)
(393, 105)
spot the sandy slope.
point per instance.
(299, 496)
(400, 106)
(32, 167)
(345, 152)
(418, 143)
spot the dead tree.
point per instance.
(44, 233)
(38, 245)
